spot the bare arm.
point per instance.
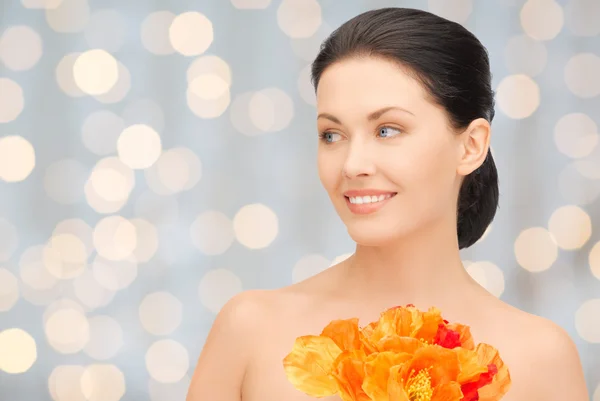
(222, 363)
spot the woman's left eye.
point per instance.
(386, 132)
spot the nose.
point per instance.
(359, 161)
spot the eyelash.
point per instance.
(322, 134)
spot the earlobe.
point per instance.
(475, 144)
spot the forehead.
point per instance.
(368, 83)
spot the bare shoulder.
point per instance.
(544, 356)
(224, 358)
(558, 359)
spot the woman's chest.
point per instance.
(266, 380)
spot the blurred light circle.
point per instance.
(67, 330)
(542, 19)
(488, 275)
(209, 65)
(120, 89)
(457, 11)
(114, 275)
(139, 146)
(309, 266)
(90, 292)
(576, 135)
(586, 321)
(147, 240)
(17, 157)
(518, 96)
(103, 382)
(191, 33)
(11, 100)
(35, 4)
(525, 55)
(208, 108)
(9, 290)
(570, 226)
(64, 75)
(18, 350)
(255, 226)
(212, 232)
(250, 4)
(95, 71)
(33, 271)
(217, 287)
(536, 249)
(581, 75)
(68, 16)
(115, 238)
(155, 32)
(271, 109)
(160, 313)
(299, 18)
(167, 361)
(106, 337)
(64, 383)
(20, 47)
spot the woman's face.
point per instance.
(388, 158)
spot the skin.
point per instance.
(406, 252)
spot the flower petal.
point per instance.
(466, 339)
(345, 333)
(399, 344)
(395, 388)
(442, 363)
(501, 382)
(349, 373)
(401, 321)
(447, 338)
(447, 392)
(470, 368)
(377, 371)
(310, 363)
(431, 321)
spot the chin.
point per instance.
(374, 234)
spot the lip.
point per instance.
(367, 208)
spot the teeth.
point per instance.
(359, 200)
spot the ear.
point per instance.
(474, 143)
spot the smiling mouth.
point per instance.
(361, 200)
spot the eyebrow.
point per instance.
(371, 117)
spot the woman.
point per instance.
(404, 104)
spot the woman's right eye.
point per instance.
(328, 137)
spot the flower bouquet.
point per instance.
(407, 355)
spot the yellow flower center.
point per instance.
(419, 386)
(424, 342)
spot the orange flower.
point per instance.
(320, 365)
(309, 366)
(406, 355)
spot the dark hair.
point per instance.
(452, 65)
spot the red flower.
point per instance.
(447, 338)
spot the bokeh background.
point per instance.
(158, 157)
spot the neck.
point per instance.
(424, 269)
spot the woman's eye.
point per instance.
(386, 132)
(329, 137)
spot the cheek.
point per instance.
(329, 172)
(425, 176)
